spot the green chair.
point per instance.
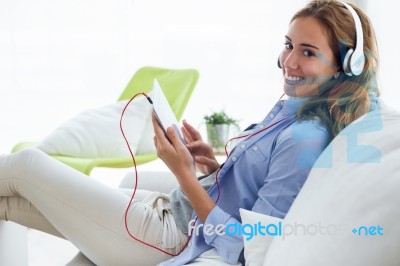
(177, 84)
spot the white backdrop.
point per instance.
(60, 57)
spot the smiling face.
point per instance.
(307, 59)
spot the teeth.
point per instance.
(293, 78)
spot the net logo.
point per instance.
(368, 231)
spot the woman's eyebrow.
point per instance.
(303, 44)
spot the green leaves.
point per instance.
(217, 118)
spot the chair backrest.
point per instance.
(177, 84)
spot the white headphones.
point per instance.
(354, 60)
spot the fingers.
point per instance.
(160, 140)
(195, 144)
(186, 135)
(191, 131)
(210, 164)
(200, 146)
(173, 137)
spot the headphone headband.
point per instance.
(354, 61)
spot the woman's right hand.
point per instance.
(202, 152)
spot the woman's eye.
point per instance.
(308, 53)
(288, 45)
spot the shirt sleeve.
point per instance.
(228, 246)
(293, 155)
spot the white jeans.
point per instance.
(41, 193)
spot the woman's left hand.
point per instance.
(173, 152)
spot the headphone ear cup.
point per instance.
(279, 63)
(357, 62)
(347, 64)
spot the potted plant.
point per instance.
(218, 125)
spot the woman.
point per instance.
(263, 173)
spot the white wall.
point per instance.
(384, 18)
(60, 57)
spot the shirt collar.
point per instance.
(290, 106)
(374, 102)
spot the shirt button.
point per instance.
(255, 148)
(271, 115)
(234, 158)
(189, 244)
(262, 126)
(172, 259)
(242, 146)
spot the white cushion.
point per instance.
(256, 246)
(146, 143)
(348, 195)
(95, 133)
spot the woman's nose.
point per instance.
(291, 61)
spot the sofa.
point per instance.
(352, 193)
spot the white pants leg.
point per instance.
(84, 211)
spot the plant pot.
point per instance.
(217, 136)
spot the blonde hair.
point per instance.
(342, 100)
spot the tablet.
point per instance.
(163, 112)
